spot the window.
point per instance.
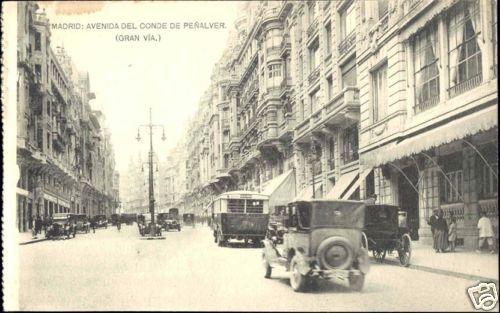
(313, 8)
(315, 100)
(274, 75)
(452, 185)
(38, 71)
(328, 39)
(255, 206)
(488, 173)
(349, 76)
(314, 60)
(379, 95)
(329, 82)
(301, 68)
(350, 144)
(383, 8)
(348, 21)
(464, 52)
(384, 188)
(425, 54)
(38, 41)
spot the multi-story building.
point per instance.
(352, 99)
(57, 130)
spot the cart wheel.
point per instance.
(379, 254)
(356, 282)
(404, 250)
(297, 280)
(267, 268)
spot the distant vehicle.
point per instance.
(114, 218)
(188, 219)
(145, 225)
(386, 230)
(81, 222)
(162, 218)
(62, 225)
(172, 222)
(323, 241)
(241, 215)
(128, 218)
(101, 221)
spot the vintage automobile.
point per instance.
(172, 222)
(275, 231)
(81, 222)
(323, 240)
(240, 215)
(114, 218)
(145, 225)
(128, 218)
(188, 219)
(385, 231)
(101, 221)
(61, 226)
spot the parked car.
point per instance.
(323, 240)
(114, 219)
(61, 226)
(81, 222)
(386, 230)
(172, 224)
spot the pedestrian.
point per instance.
(452, 233)
(38, 225)
(432, 222)
(441, 232)
(485, 232)
(118, 224)
(92, 223)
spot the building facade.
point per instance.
(64, 165)
(356, 99)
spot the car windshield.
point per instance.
(338, 213)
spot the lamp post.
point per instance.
(150, 127)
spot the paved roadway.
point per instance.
(112, 270)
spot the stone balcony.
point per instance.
(347, 44)
(314, 76)
(344, 106)
(312, 30)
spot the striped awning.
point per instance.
(456, 129)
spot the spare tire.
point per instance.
(335, 253)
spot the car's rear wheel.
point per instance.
(356, 282)
(297, 279)
(267, 267)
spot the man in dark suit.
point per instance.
(433, 223)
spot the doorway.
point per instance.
(408, 199)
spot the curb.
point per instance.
(32, 241)
(445, 272)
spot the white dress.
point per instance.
(485, 228)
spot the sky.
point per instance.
(128, 77)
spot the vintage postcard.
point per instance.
(250, 155)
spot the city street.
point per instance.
(112, 270)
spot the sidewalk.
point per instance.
(464, 264)
(27, 238)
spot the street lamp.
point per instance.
(150, 126)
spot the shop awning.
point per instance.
(340, 187)
(357, 183)
(281, 189)
(456, 129)
(305, 194)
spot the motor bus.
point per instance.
(241, 215)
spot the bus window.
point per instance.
(255, 206)
(235, 206)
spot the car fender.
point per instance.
(270, 252)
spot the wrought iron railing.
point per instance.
(347, 43)
(466, 85)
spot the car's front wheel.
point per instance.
(356, 282)
(297, 279)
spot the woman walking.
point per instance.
(441, 232)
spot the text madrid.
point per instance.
(142, 25)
